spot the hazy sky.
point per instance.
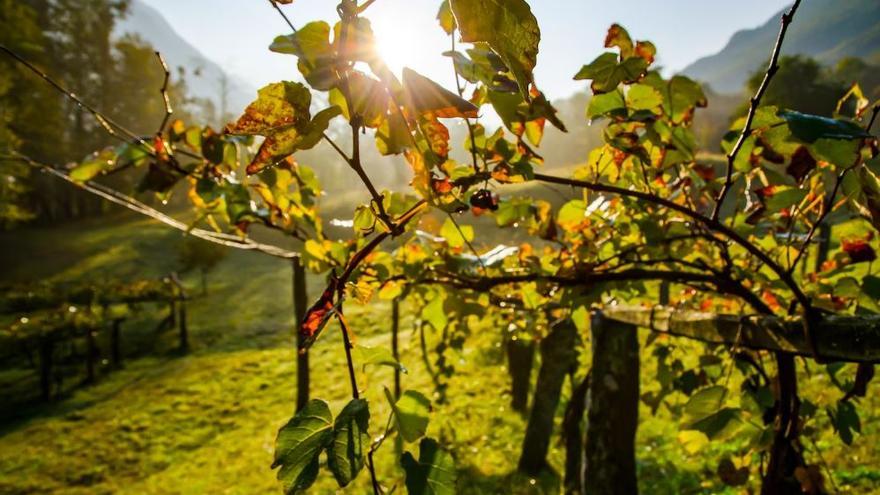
(236, 33)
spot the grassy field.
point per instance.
(206, 422)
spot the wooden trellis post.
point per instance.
(520, 357)
(612, 414)
(558, 356)
(300, 306)
(46, 350)
(91, 354)
(180, 315)
(116, 343)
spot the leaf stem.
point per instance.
(458, 86)
(346, 339)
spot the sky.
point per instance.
(236, 33)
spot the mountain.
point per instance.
(203, 76)
(826, 30)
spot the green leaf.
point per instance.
(238, 202)
(434, 472)
(279, 106)
(513, 210)
(845, 420)
(643, 97)
(716, 424)
(840, 153)
(434, 313)
(610, 104)
(425, 96)
(345, 455)
(456, 236)
(392, 136)
(135, 153)
(704, 412)
(411, 412)
(784, 197)
(299, 443)
(446, 18)
(96, 164)
(312, 45)
(809, 128)
(510, 29)
(607, 73)
(705, 402)
(572, 214)
(682, 96)
(377, 356)
(280, 145)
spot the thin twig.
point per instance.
(826, 209)
(133, 204)
(874, 113)
(164, 92)
(460, 89)
(108, 124)
(467, 242)
(754, 102)
(709, 223)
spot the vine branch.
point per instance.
(754, 102)
(164, 92)
(133, 204)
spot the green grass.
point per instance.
(206, 422)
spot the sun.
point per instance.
(396, 44)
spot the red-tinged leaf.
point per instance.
(317, 316)
(619, 37)
(770, 300)
(279, 106)
(828, 265)
(858, 250)
(802, 162)
(161, 149)
(281, 145)
(647, 51)
(441, 186)
(242, 226)
(764, 193)
(704, 171)
(437, 135)
(501, 173)
(425, 96)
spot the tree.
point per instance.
(195, 253)
(18, 30)
(801, 84)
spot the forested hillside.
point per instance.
(827, 30)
